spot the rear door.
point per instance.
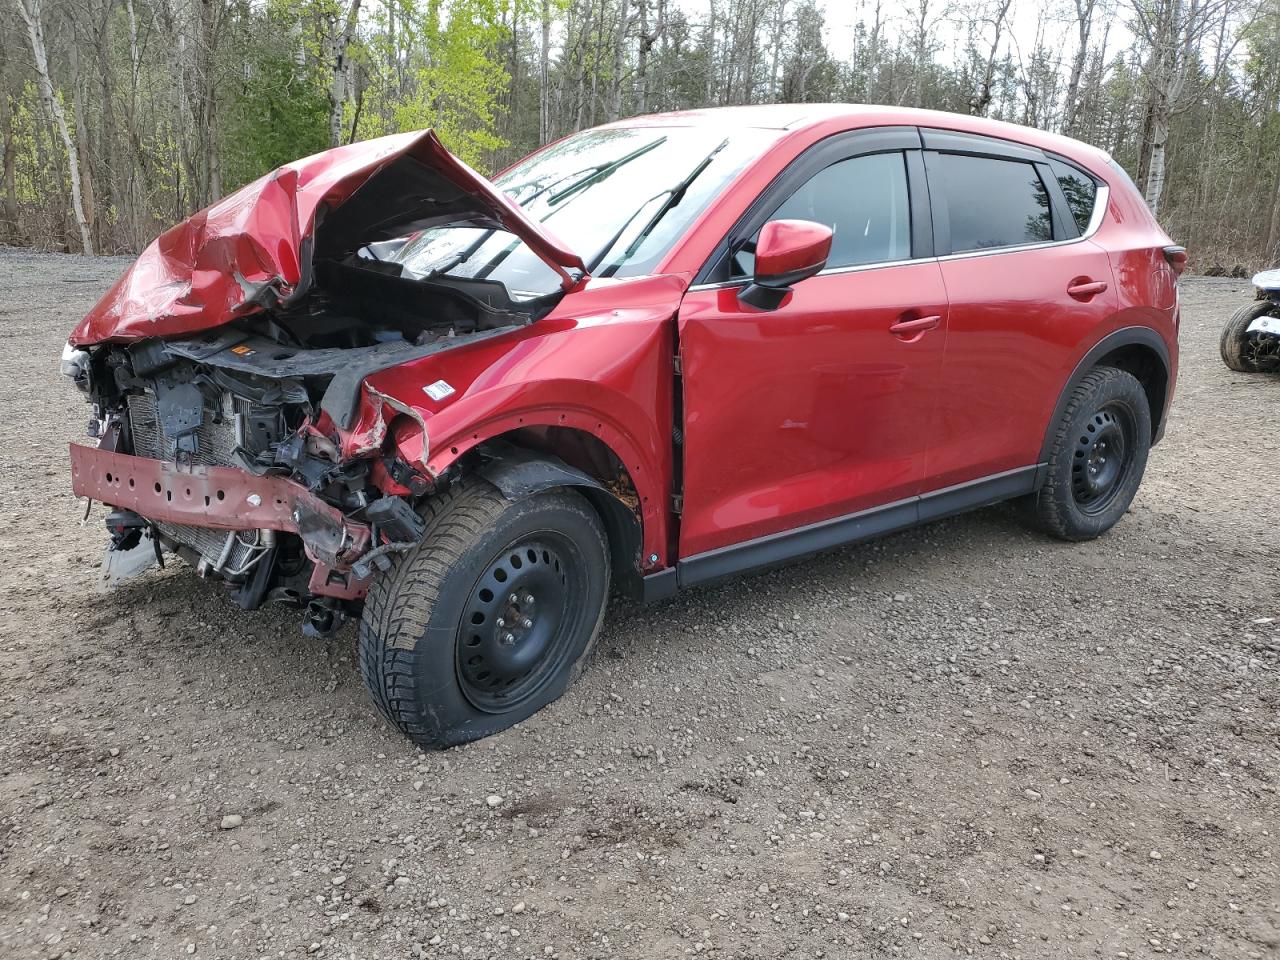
(817, 409)
(1024, 284)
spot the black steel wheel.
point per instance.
(1101, 458)
(518, 621)
(1097, 455)
(490, 617)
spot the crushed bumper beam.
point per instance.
(223, 498)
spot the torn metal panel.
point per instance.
(345, 367)
(254, 249)
(222, 498)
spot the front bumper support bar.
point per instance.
(224, 498)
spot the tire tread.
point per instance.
(399, 606)
(1232, 339)
(1048, 507)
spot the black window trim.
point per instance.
(1065, 231)
(833, 149)
(1061, 222)
(1101, 191)
(930, 227)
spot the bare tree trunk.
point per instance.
(647, 39)
(1170, 76)
(210, 169)
(614, 109)
(544, 77)
(1084, 24)
(1155, 166)
(1273, 234)
(711, 53)
(81, 122)
(338, 44)
(117, 176)
(11, 233)
(138, 171)
(921, 51)
(979, 103)
(30, 10)
(779, 30)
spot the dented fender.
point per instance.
(601, 363)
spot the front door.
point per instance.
(817, 409)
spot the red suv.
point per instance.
(651, 354)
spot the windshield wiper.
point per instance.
(674, 195)
(595, 173)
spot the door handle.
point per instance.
(914, 328)
(1084, 289)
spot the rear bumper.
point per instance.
(223, 498)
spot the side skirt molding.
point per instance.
(782, 547)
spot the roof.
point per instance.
(836, 116)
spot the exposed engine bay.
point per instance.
(254, 394)
(228, 363)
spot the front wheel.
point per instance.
(490, 618)
(1097, 457)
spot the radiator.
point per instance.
(215, 444)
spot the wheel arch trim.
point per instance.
(519, 472)
(1135, 336)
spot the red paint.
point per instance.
(809, 411)
(600, 363)
(864, 387)
(223, 498)
(789, 250)
(246, 251)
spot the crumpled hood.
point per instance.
(254, 248)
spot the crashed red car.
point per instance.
(659, 352)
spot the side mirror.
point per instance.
(787, 252)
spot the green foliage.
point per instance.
(456, 92)
(181, 102)
(277, 110)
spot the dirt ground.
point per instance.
(964, 740)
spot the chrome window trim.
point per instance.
(1101, 200)
(831, 271)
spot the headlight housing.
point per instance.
(75, 364)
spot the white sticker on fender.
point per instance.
(438, 390)
(1265, 325)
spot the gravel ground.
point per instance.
(964, 740)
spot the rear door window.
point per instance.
(1080, 189)
(992, 203)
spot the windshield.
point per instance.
(620, 198)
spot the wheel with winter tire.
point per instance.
(1097, 456)
(490, 618)
(1235, 339)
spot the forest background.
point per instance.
(120, 117)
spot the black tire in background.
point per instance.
(1234, 338)
(490, 618)
(1097, 457)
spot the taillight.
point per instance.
(1177, 258)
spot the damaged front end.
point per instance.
(227, 370)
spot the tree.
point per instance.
(31, 15)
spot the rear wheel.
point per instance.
(490, 618)
(1234, 343)
(1097, 458)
